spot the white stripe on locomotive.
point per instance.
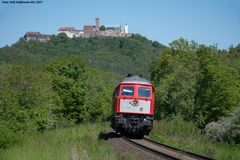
(128, 106)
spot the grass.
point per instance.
(85, 140)
(60, 143)
(178, 133)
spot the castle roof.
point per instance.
(66, 29)
(88, 26)
(32, 34)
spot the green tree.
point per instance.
(69, 81)
(217, 87)
(182, 45)
(174, 80)
(102, 28)
(196, 83)
(27, 102)
(101, 86)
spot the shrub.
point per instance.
(178, 125)
(227, 129)
(7, 137)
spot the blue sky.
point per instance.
(206, 21)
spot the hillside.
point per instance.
(119, 55)
(68, 82)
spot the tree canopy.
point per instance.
(67, 81)
(198, 82)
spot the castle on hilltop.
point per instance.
(37, 36)
(95, 30)
(87, 31)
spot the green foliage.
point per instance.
(7, 137)
(27, 103)
(174, 79)
(113, 54)
(182, 45)
(102, 28)
(218, 89)
(227, 128)
(26, 100)
(195, 82)
(68, 80)
(101, 86)
(85, 92)
(176, 124)
(177, 132)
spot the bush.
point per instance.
(227, 129)
(27, 101)
(177, 125)
(7, 137)
(185, 135)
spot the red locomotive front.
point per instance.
(133, 106)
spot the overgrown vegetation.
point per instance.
(200, 83)
(65, 93)
(65, 82)
(226, 129)
(177, 132)
(119, 55)
(80, 141)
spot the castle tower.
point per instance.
(126, 28)
(97, 24)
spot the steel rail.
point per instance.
(149, 150)
(186, 153)
(163, 151)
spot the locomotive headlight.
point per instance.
(148, 117)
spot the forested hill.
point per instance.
(65, 81)
(120, 55)
(70, 81)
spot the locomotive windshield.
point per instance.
(127, 91)
(143, 92)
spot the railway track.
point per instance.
(163, 151)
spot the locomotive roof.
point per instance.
(135, 79)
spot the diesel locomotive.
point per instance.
(133, 106)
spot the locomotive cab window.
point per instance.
(144, 92)
(127, 91)
(116, 92)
